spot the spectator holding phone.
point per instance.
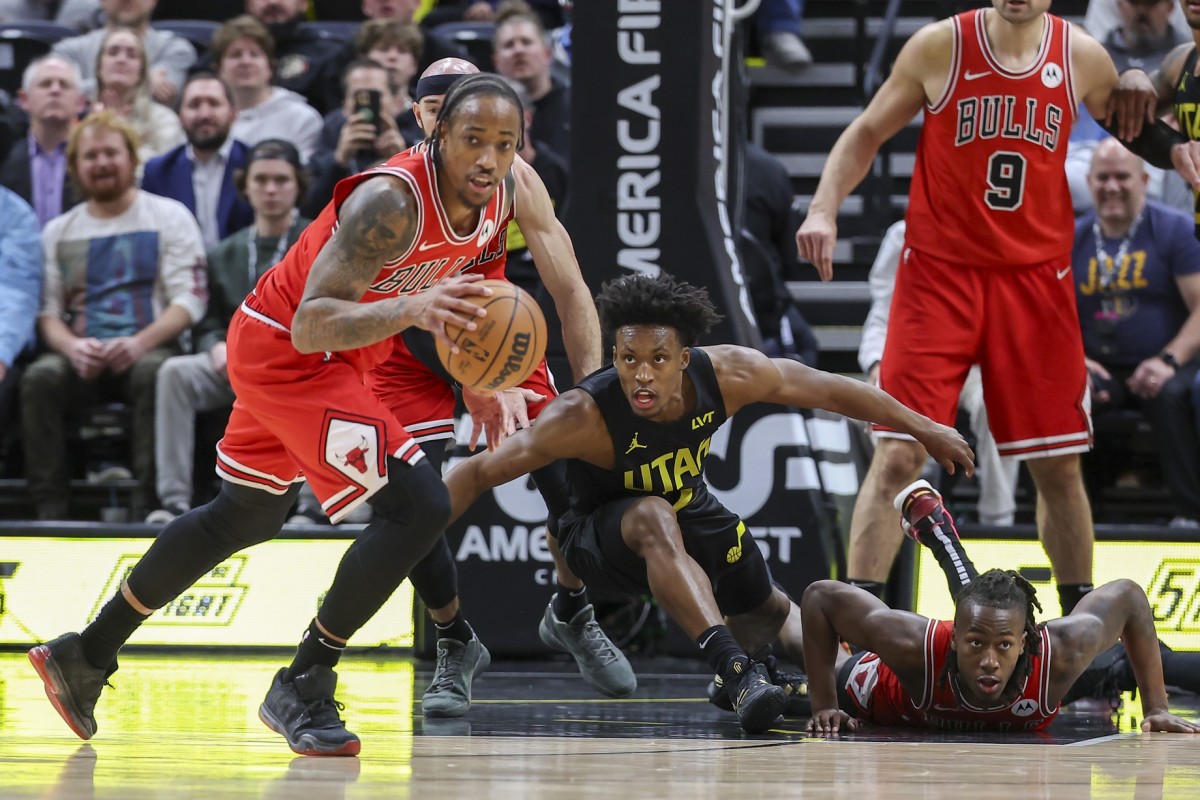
(364, 131)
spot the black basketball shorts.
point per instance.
(712, 535)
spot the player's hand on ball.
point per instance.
(443, 304)
(948, 447)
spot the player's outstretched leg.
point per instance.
(449, 693)
(72, 683)
(305, 712)
(601, 662)
(925, 519)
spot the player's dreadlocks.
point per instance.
(1006, 589)
(662, 300)
(463, 89)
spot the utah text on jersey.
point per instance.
(666, 473)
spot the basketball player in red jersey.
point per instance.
(985, 273)
(415, 386)
(299, 349)
(992, 667)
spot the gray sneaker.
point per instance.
(601, 662)
(449, 694)
(72, 684)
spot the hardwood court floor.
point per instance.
(187, 727)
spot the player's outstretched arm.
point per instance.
(1115, 609)
(747, 376)
(376, 224)
(554, 257)
(832, 610)
(922, 61)
(569, 427)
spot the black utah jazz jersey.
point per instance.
(663, 459)
(1187, 111)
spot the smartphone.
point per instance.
(366, 103)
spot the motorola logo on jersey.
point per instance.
(1052, 76)
(995, 115)
(1025, 707)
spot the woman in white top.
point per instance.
(123, 85)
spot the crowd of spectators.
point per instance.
(155, 176)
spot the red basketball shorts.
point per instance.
(424, 402)
(302, 415)
(1018, 324)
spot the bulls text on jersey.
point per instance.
(995, 115)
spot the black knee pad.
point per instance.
(414, 497)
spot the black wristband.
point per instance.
(1168, 358)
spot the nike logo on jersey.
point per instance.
(1062, 273)
(974, 76)
(423, 246)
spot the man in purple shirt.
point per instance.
(37, 171)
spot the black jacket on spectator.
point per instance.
(552, 119)
(310, 63)
(17, 174)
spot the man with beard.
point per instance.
(272, 181)
(169, 56)
(1145, 35)
(123, 280)
(309, 62)
(200, 174)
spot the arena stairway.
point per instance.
(797, 116)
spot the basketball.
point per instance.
(505, 348)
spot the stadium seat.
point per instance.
(197, 31)
(215, 10)
(20, 44)
(474, 37)
(336, 29)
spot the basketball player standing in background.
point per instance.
(420, 393)
(372, 264)
(985, 271)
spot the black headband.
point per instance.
(272, 149)
(436, 84)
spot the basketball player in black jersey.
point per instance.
(636, 435)
(1178, 87)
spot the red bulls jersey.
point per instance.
(436, 251)
(881, 699)
(989, 187)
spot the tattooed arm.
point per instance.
(377, 223)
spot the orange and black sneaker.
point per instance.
(72, 683)
(922, 512)
(306, 714)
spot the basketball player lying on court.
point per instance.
(636, 435)
(992, 667)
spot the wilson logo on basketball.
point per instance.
(505, 348)
(515, 362)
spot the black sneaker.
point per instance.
(72, 684)
(757, 701)
(306, 714)
(717, 694)
(795, 689)
(794, 685)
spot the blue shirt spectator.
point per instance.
(20, 292)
